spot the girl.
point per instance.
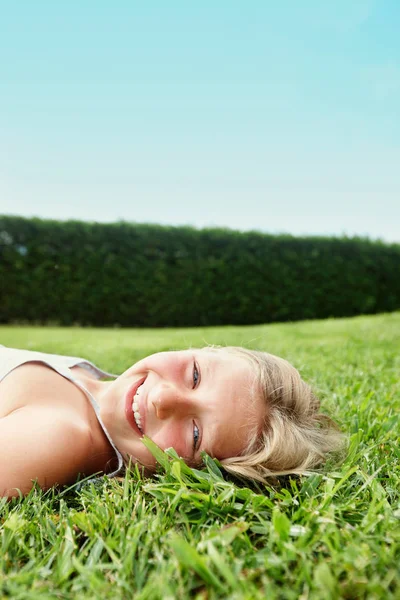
(59, 417)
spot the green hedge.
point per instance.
(150, 276)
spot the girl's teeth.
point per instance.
(137, 419)
(135, 409)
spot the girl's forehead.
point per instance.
(242, 372)
(234, 370)
(227, 358)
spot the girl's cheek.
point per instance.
(172, 439)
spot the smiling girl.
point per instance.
(249, 409)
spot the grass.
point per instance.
(188, 533)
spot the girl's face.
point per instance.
(192, 400)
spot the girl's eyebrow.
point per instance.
(208, 367)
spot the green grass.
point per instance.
(188, 533)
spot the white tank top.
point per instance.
(11, 358)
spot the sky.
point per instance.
(252, 115)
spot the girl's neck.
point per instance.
(103, 458)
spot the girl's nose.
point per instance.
(169, 400)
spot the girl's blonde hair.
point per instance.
(295, 436)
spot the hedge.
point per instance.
(141, 275)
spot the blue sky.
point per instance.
(277, 116)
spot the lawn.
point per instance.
(195, 534)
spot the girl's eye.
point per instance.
(196, 375)
(196, 435)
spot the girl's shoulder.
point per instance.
(43, 432)
(35, 384)
(49, 433)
